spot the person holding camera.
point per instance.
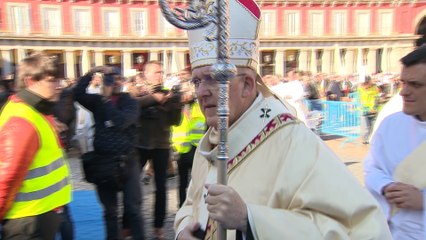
(160, 109)
(186, 136)
(113, 164)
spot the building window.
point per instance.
(379, 55)
(112, 22)
(292, 60)
(292, 24)
(82, 22)
(164, 27)
(342, 55)
(316, 24)
(364, 55)
(363, 23)
(318, 56)
(385, 22)
(267, 66)
(51, 17)
(139, 22)
(19, 21)
(339, 22)
(267, 27)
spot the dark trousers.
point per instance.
(367, 123)
(132, 201)
(184, 168)
(159, 161)
(66, 229)
(316, 105)
(40, 227)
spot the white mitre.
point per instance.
(243, 37)
(244, 21)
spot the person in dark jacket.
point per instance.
(334, 91)
(115, 114)
(4, 94)
(160, 109)
(65, 112)
(7, 88)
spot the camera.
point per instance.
(108, 79)
(176, 88)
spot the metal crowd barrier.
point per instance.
(341, 119)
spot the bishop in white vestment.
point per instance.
(283, 181)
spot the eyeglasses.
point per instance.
(209, 81)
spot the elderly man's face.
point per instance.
(413, 90)
(96, 80)
(207, 90)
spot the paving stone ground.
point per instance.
(351, 153)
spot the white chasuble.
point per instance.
(294, 186)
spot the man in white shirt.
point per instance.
(95, 85)
(294, 93)
(399, 142)
(84, 131)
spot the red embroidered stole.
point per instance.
(276, 123)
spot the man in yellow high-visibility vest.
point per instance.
(186, 136)
(34, 178)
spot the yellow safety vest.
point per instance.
(368, 98)
(47, 183)
(190, 131)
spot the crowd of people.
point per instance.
(306, 93)
(283, 182)
(131, 121)
(118, 124)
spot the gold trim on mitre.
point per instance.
(243, 53)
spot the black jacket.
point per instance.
(65, 112)
(115, 121)
(156, 119)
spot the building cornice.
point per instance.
(184, 39)
(182, 43)
(262, 2)
(340, 38)
(333, 3)
(117, 44)
(95, 39)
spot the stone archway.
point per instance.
(421, 31)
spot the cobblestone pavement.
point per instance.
(148, 198)
(351, 153)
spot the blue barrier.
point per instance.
(341, 118)
(87, 214)
(354, 96)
